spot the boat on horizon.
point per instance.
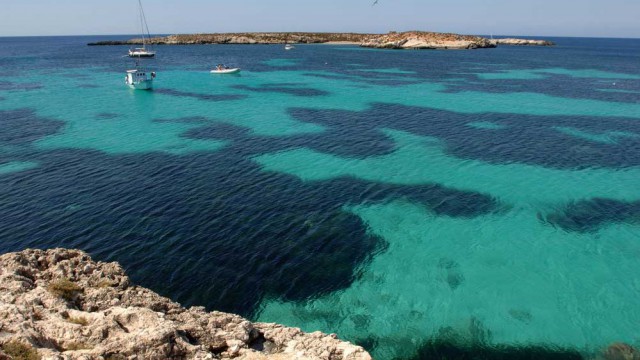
(288, 46)
(142, 51)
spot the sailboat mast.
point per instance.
(143, 24)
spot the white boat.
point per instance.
(226, 71)
(288, 46)
(140, 79)
(142, 51)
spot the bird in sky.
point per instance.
(374, 3)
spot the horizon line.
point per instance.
(324, 32)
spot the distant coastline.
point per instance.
(392, 40)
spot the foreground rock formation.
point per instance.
(60, 304)
(392, 40)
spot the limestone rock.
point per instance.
(521, 42)
(426, 40)
(66, 306)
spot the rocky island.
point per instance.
(60, 304)
(392, 40)
(245, 38)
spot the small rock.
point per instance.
(621, 351)
(87, 269)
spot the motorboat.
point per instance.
(144, 31)
(221, 69)
(140, 79)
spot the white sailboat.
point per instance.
(142, 52)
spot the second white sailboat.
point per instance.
(143, 51)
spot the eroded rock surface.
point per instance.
(66, 306)
(426, 40)
(522, 42)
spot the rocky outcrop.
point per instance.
(426, 40)
(60, 304)
(521, 42)
(245, 38)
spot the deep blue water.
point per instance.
(284, 193)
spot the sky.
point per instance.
(589, 18)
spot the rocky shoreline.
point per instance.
(392, 40)
(60, 304)
(244, 38)
(521, 42)
(426, 40)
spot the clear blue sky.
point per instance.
(602, 18)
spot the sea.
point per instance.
(480, 204)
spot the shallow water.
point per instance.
(420, 203)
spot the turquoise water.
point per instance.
(15, 166)
(401, 198)
(610, 137)
(499, 268)
(544, 73)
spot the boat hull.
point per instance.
(226, 71)
(143, 55)
(141, 85)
